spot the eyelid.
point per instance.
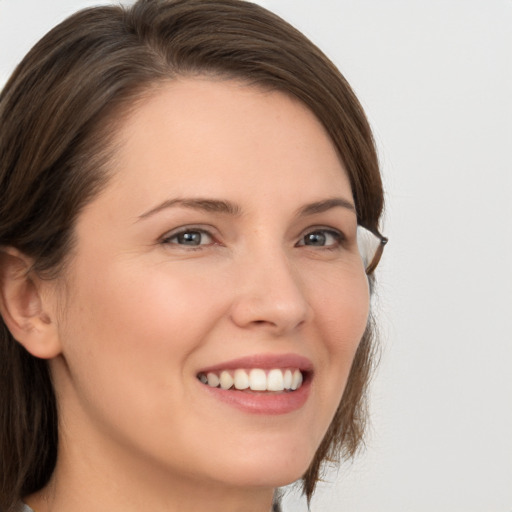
(165, 239)
(336, 233)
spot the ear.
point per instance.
(27, 305)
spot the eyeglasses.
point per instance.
(371, 246)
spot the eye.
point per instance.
(189, 237)
(322, 238)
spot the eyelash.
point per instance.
(338, 237)
(167, 239)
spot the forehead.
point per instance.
(221, 137)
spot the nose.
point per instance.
(270, 294)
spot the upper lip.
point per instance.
(263, 361)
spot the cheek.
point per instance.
(342, 306)
(345, 319)
(342, 315)
(131, 314)
(127, 339)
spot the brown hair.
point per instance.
(58, 112)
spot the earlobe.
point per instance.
(25, 307)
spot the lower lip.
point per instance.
(265, 402)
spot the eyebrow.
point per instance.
(229, 208)
(327, 204)
(206, 205)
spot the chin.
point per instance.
(278, 475)
(268, 467)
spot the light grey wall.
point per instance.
(436, 80)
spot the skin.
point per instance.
(136, 315)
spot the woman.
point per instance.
(185, 306)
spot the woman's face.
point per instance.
(224, 247)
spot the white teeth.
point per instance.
(275, 380)
(213, 380)
(287, 379)
(241, 379)
(256, 379)
(296, 380)
(226, 381)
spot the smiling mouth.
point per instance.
(255, 379)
